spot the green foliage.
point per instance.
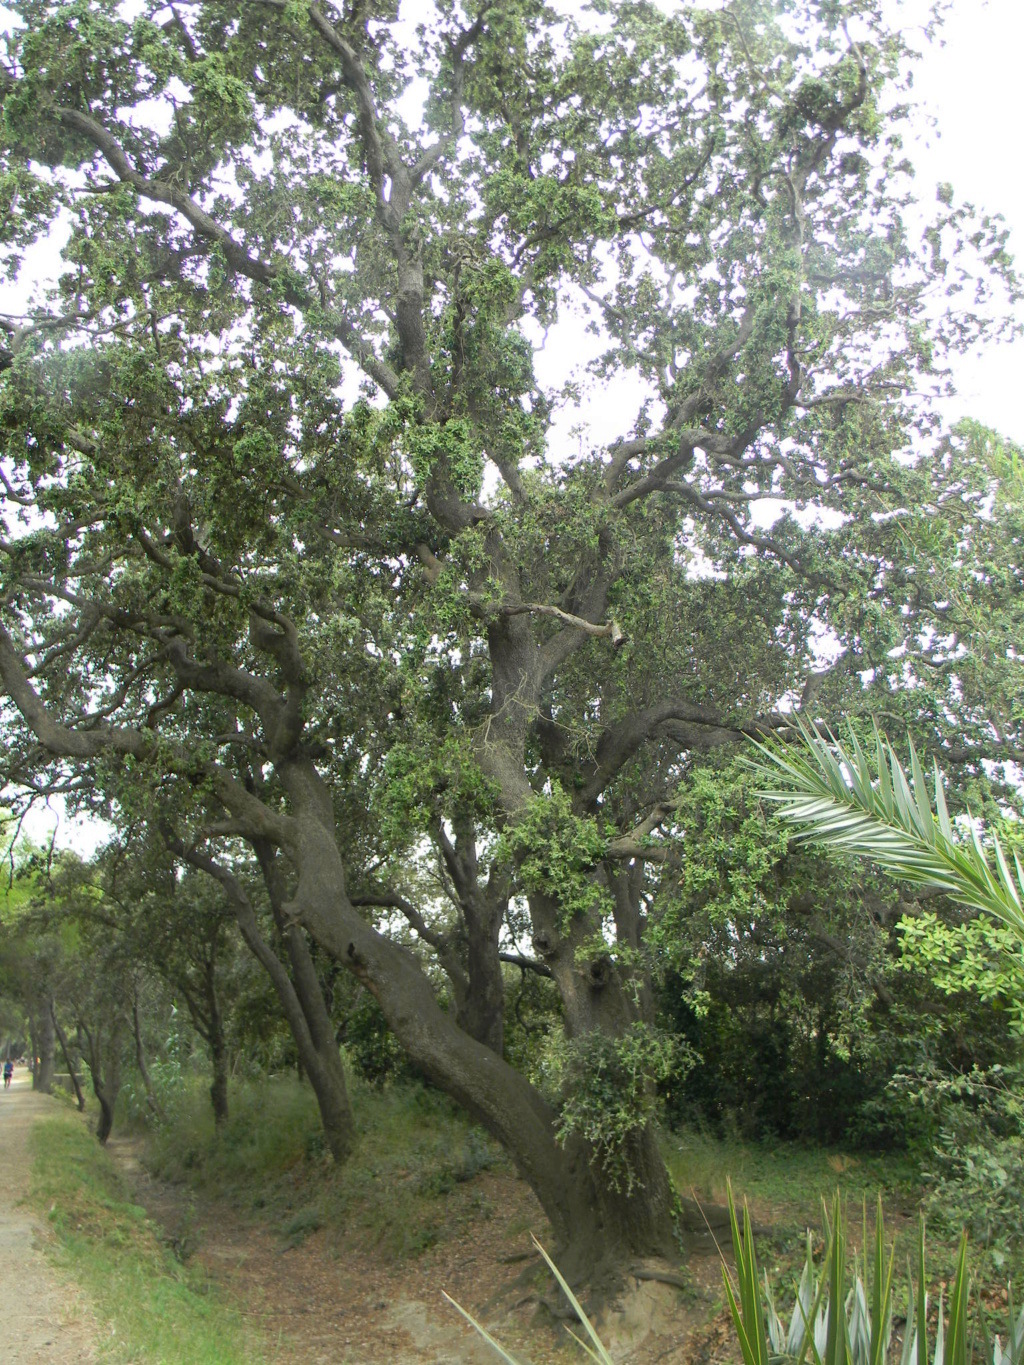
(256, 605)
(453, 446)
(762, 1046)
(423, 779)
(170, 1079)
(973, 1164)
(775, 966)
(608, 1090)
(554, 852)
(872, 808)
(730, 873)
(370, 1046)
(980, 958)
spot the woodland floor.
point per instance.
(330, 1300)
(331, 1297)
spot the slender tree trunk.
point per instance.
(103, 1058)
(105, 1123)
(155, 1107)
(478, 985)
(217, 1042)
(317, 1043)
(66, 1050)
(306, 1013)
(302, 1000)
(43, 1047)
(322, 1057)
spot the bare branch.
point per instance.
(432, 155)
(526, 964)
(612, 629)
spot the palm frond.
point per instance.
(867, 805)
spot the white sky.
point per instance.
(971, 85)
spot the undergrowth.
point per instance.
(787, 1186)
(159, 1312)
(789, 1178)
(414, 1151)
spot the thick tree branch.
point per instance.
(103, 739)
(527, 964)
(621, 741)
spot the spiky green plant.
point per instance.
(1013, 1352)
(863, 802)
(834, 1323)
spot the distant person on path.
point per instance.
(8, 1073)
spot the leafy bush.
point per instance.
(608, 1089)
(373, 1050)
(975, 1172)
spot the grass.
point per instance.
(398, 1194)
(414, 1152)
(787, 1185)
(159, 1312)
(791, 1180)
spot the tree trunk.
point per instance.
(140, 1061)
(219, 1086)
(599, 1229)
(104, 1063)
(477, 982)
(302, 1000)
(65, 1048)
(306, 1012)
(481, 1013)
(105, 1124)
(43, 1047)
(217, 1043)
(321, 1055)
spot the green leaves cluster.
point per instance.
(608, 1092)
(555, 852)
(980, 957)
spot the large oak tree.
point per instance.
(297, 552)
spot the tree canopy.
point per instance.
(300, 561)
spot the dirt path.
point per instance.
(332, 1300)
(45, 1320)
